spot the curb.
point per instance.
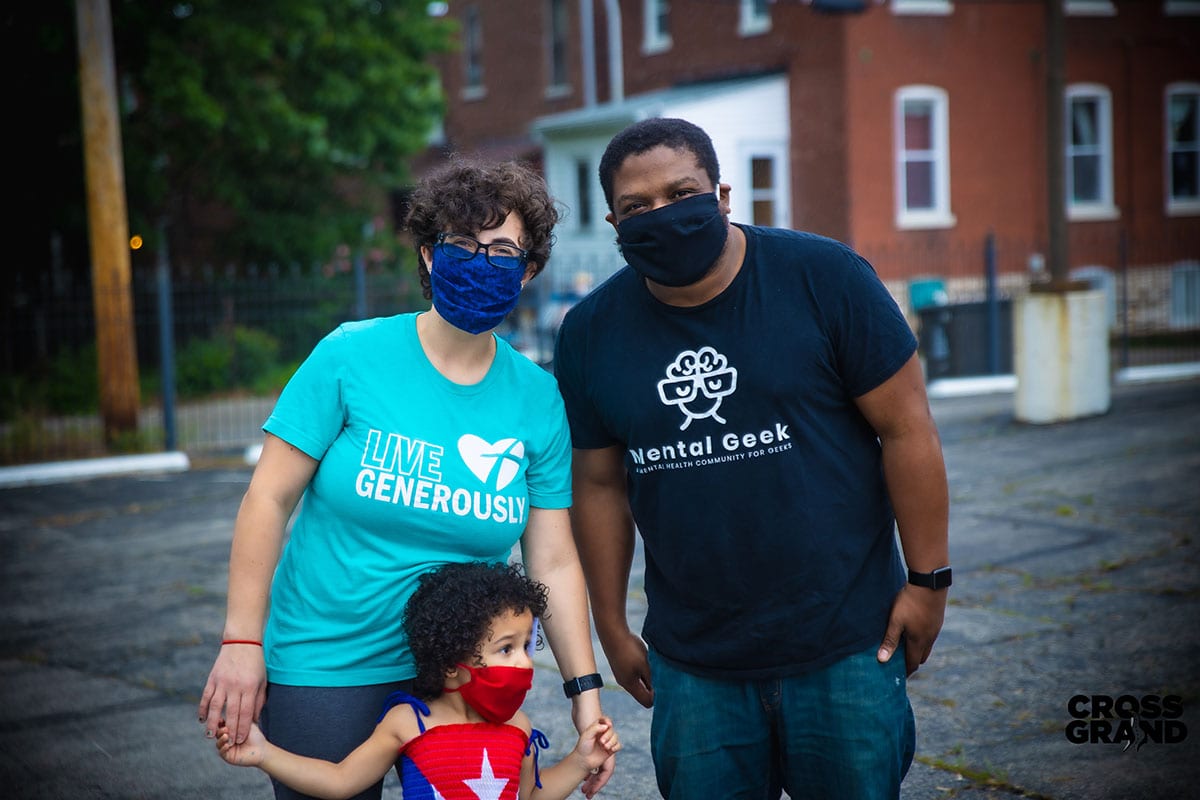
(80, 469)
(996, 384)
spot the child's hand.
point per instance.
(249, 753)
(597, 742)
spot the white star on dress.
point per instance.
(487, 786)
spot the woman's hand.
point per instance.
(235, 691)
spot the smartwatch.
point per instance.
(582, 684)
(940, 578)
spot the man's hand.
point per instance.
(917, 615)
(630, 666)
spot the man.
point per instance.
(750, 398)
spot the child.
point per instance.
(470, 627)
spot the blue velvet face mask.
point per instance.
(472, 294)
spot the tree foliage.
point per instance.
(259, 131)
(282, 113)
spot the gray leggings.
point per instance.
(324, 722)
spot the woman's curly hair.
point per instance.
(467, 196)
(452, 610)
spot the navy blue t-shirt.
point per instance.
(755, 482)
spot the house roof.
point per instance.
(606, 117)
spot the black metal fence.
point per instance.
(236, 334)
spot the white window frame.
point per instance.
(940, 215)
(1178, 206)
(1089, 8)
(654, 39)
(926, 8)
(780, 194)
(752, 22)
(1103, 208)
(473, 91)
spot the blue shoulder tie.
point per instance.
(537, 743)
(396, 698)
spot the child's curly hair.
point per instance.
(468, 195)
(452, 610)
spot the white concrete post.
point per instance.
(1061, 355)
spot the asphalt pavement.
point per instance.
(1076, 549)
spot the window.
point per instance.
(1182, 8)
(473, 54)
(1089, 8)
(764, 188)
(1088, 162)
(583, 193)
(753, 17)
(1183, 148)
(1185, 295)
(922, 158)
(657, 25)
(556, 47)
(938, 8)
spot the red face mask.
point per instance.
(496, 692)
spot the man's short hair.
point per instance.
(678, 134)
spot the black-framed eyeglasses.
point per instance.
(502, 255)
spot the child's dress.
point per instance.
(467, 761)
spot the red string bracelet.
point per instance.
(241, 641)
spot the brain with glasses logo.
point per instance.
(696, 382)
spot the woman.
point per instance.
(414, 440)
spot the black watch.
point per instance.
(940, 578)
(582, 684)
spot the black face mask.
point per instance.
(675, 245)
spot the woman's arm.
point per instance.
(236, 686)
(548, 551)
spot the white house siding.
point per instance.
(745, 118)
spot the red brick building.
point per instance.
(911, 129)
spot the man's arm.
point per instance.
(604, 533)
(915, 473)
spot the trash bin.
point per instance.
(926, 292)
(955, 340)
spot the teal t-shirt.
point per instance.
(414, 471)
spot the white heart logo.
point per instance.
(485, 459)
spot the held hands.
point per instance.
(597, 744)
(586, 713)
(235, 691)
(917, 615)
(248, 754)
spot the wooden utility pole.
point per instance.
(1056, 199)
(108, 223)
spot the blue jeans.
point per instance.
(324, 722)
(845, 731)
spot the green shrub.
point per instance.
(230, 360)
(255, 353)
(202, 367)
(73, 383)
